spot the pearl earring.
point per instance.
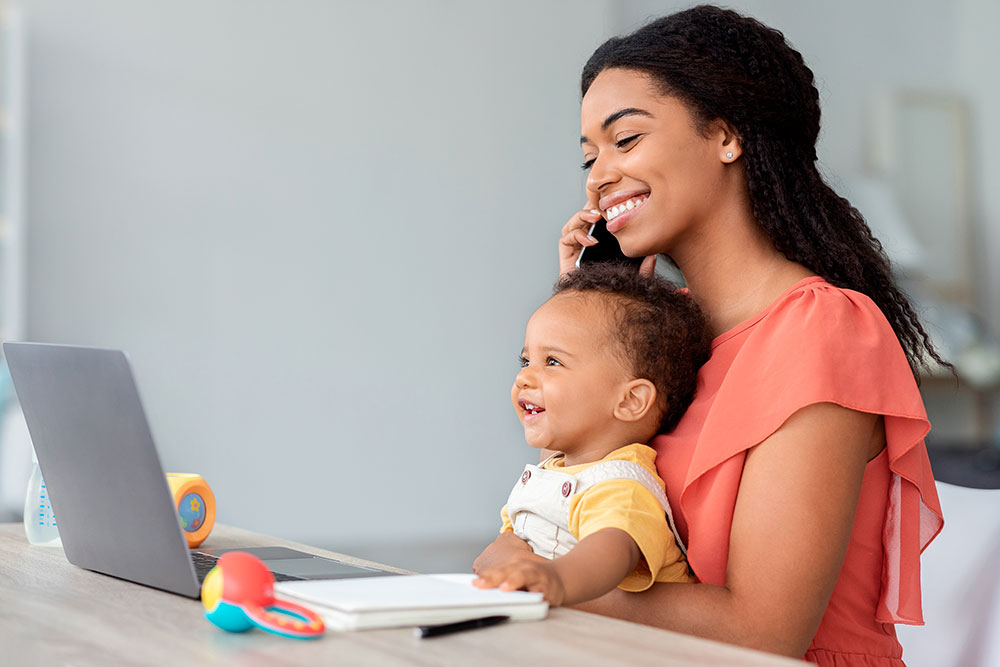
(729, 155)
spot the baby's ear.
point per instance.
(637, 399)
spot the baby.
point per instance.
(608, 362)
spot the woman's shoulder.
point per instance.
(815, 322)
(816, 343)
(815, 301)
(815, 308)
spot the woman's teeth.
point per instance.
(615, 211)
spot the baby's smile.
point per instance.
(530, 410)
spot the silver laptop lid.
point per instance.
(106, 485)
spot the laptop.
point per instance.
(105, 483)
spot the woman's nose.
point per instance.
(603, 172)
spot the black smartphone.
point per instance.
(606, 250)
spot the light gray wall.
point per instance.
(319, 229)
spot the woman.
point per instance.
(799, 476)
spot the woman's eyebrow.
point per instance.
(618, 115)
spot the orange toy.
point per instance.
(195, 505)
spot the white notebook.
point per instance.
(419, 599)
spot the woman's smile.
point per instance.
(619, 215)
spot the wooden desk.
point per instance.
(52, 613)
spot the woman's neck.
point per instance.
(734, 271)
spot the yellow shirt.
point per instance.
(627, 505)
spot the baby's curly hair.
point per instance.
(662, 332)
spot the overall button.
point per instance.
(566, 488)
(525, 477)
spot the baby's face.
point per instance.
(570, 378)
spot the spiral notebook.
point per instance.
(419, 599)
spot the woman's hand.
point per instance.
(506, 547)
(528, 574)
(575, 237)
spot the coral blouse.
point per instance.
(816, 343)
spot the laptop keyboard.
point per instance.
(203, 564)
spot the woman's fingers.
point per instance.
(576, 240)
(581, 220)
(648, 266)
(576, 236)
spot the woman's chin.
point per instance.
(638, 248)
(631, 246)
(635, 251)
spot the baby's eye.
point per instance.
(522, 362)
(552, 361)
(626, 141)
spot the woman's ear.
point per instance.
(637, 399)
(727, 140)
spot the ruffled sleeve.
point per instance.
(817, 343)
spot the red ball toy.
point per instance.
(238, 594)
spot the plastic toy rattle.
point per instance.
(238, 594)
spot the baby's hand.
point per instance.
(537, 576)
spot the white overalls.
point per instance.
(538, 505)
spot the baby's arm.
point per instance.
(592, 568)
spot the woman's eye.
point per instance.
(626, 141)
(551, 361)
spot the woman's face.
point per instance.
(655, 177)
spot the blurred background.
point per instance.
(320, 227)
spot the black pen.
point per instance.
(447, 628)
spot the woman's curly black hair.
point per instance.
(726, 66)
(661, 332)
